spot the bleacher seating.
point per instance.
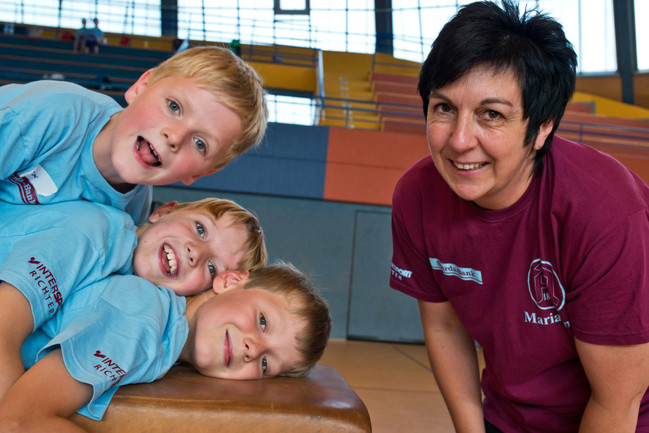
(113, 71)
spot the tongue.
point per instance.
(146, 154)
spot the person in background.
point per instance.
(80, 36)
(94, 37)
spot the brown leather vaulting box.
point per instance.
(185, 401)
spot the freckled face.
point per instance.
(185, 249)
(245, 334)
(476, 134)
(172, 131)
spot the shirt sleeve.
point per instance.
(30, 128)
(47, 266)
(107, 346)
(609, 302)
(13, 150)
(411, 270)
(79, 244)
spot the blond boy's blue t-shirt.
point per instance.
(47, 130)
(52, 250)
(117, 331)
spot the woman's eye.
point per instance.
(264, 364)
(212, 269)
(262, 322)
(200, 145)
(442, 108)
(200, 229)
(173, 106)
(493, 115)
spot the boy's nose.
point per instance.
(174, 136)
(251, 349)
(193, 254)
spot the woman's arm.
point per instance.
(618, 377)
(454, 362)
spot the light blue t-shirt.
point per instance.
(47, 130)
(95, 33)
(116, 331)
(51, 250)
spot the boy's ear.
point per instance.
(138, 87)
(192, 179)
(228, 280)
(162, 210)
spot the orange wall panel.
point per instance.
(364, 166)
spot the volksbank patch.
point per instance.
(41, 181)
(467, 274)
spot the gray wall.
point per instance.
(345, 248)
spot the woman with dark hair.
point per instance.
(533, 246)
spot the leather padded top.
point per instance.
(185, 401)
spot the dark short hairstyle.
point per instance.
(533, 46)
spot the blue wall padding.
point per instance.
(291, 162)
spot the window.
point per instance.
(589, 25)
(642, 34)
(291, 109)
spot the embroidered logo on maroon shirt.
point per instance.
(27, 190)
(544, 286)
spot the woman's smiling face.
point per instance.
(476, 135)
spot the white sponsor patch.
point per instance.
(41, 181)
(467, 274)
(400, 273)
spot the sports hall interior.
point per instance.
(322, 192)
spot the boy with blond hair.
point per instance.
(124, 330)
(185, 119)
(54, 250)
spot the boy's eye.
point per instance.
(173, 106)
(200, 229)
(264, 364)
(212, 269)
(262, 322)
(200, 145)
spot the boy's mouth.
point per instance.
(227, 350)
(147, 153)
(168, 260)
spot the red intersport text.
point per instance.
(109, 368)
(46, 282)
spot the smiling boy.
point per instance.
(124, 330)
(185, 119)
(59, 248)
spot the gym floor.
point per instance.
(395, 383)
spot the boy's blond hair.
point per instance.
(305, 302)
(232, 81)
(256, 255)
